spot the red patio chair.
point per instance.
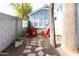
(46, 32)
(32, 31)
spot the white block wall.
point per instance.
(8, 30)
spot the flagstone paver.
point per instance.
(48, 55)
(39, 44)
(38, 48)
(27, 51)
(40, 53)
(33, 43)
(28, 47)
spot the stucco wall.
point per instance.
(58, 13)
(8, 29)
(78, 25)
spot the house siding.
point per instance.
(42, 15)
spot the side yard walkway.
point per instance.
(30, 47)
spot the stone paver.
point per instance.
(39, 44)
(32, 43)
(28, 47)
(48, 55)
(32, 54)
(40, 39)
(38, 48)
(27, 51)
(40, 53)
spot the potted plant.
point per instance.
(19, 40)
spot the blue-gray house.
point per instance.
(40, 17)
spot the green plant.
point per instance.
(23, 34)
(19, 38)
(22, 10)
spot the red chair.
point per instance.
(46, 32)
(32, 31)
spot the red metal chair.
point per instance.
(46, 32)
(32, 31)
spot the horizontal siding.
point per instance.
(42, 14)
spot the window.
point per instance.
(40, 22)
(35, 23)
(46, 22)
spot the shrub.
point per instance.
(19, 38)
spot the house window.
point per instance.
(40, 22)
(46, 22)
(35, 23)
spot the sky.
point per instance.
(28, 1)
(5, 8)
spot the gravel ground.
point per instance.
(31, 47)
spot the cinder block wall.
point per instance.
(10, 26)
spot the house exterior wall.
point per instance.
(8, 30)
(78, 25)
(40, 19)
(58, 13)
